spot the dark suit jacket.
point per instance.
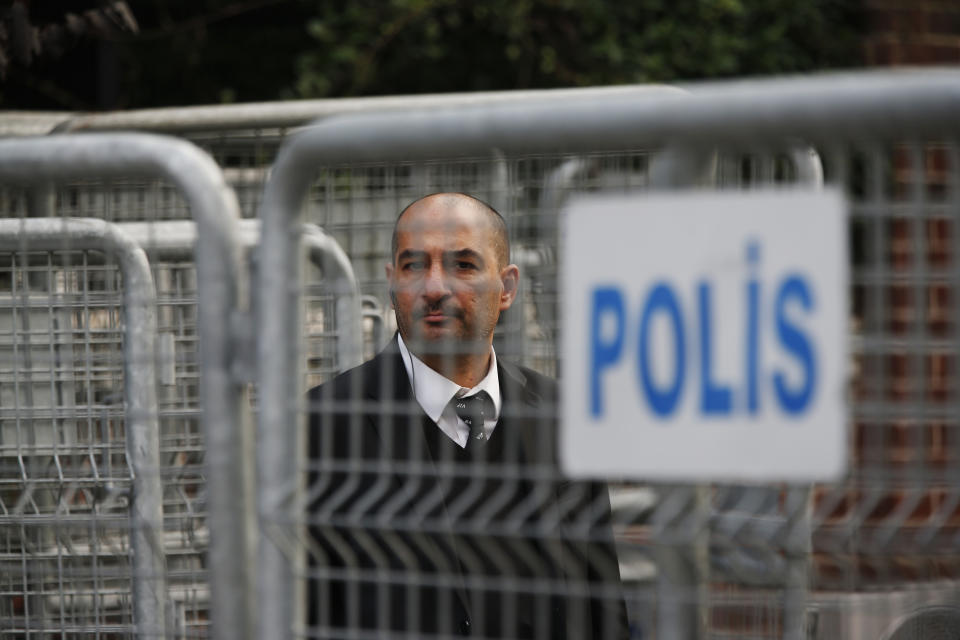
(411, 533)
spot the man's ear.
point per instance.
(510, 277)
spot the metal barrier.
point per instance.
(40, 164)
(335, 316)
(244, 140)
(755, 560)
(332, 314)
(718, 561)
(20, 443)
(174, 239)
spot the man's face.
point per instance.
(447, 285)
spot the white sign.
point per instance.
(705, 336)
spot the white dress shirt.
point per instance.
(434, 393)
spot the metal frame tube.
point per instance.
(229, 459)
(294, 113)
(140, 393)
(176, 238)
(863, 105)
(326, 252)
(370, 308)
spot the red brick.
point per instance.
(939, 247)
(739, 610)
(879, 21)
(945, 567)
(884, 507)
(866, 570)
(953, 518)
(906, 18)
(943, 22)
(936, 159)
(904, 173)
(827, 567)
(918, 53)
(937, 452)
(901, 244)
(928, 504)
(885, 53)
(901, 308)
(939, 312)
(839, 509)
(871, 54)
(898, 370)
(940, 53)
(902, 443)
(913, 20)
(939, 368)
(907, 568)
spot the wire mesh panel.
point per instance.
(108, 458)
(182, 443)
(186, 533)
(64, 361)
(360, 204)
(77, 301)
(65, 472)
(397, 533)
(870, 557)
(893, 526)
(86, 501)
(404, 534)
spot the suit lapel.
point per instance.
(522, 412)
(388, 384)
(409, 438)
(538, 435)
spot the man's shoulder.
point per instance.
(353, 381)
(532, 380)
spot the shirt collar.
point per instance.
(434, 391)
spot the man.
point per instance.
(436, 504)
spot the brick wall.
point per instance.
(911, 33)
(918, 32)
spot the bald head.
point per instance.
(449, 282)
(452, 202)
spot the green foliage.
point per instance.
(203, 51)
(413, 46)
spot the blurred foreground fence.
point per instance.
(873, 557)
(65, 469)
(70, 553)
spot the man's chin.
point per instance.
(442, 340)
(433, 339)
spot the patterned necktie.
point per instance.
(473, 410)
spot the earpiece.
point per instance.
(413, 372)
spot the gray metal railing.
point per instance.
(140, 392)
(296, 113)
(40, 163)
(865, 107)
(176, 239)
